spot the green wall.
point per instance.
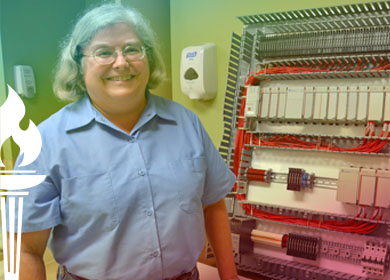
(195, 22)
(2, 80)
(31, 32)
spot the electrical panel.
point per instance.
(306, 131)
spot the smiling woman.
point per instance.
(133, 181)
(116, 89)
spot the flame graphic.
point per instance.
(29, 141)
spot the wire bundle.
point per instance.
(382, 65)
(329, 66)
(291, 141)
(372, 145)
(242, 138)
(261, 175)
(351, 225)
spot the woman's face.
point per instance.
(119, 86)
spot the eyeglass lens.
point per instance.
(108, 55)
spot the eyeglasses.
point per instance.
(106, 55)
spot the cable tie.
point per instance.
(320, 221)
(309, 219)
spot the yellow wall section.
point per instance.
(158, 14)
(195, 22)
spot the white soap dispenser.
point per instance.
(198, 71)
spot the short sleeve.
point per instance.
(219, 179)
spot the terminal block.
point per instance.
(375, 259)
(302, 246)
(298, 179)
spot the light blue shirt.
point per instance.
(125, 206)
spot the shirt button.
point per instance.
(156, 254)
(149, 213)
(141, 173)
(131, 140)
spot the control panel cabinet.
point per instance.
(306, 131)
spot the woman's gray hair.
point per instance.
(68, 81)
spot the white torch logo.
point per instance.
(30, 143)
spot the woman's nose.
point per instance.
(120, 60)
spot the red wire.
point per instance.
(289, 141)
(243, 138)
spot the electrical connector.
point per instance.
(386, 115)
(332, 103)
(352, 103)
(252, 102)
(309, 103)
(294, 103)
(265, 98)
(297, 179)
(273, 102)
(282, 103)
(367, 187)
(302, 246)
(320, 102)
(348, 185)
(362, 110)
(342, 103)
(376, 103)
(374, 258)
(383, 189)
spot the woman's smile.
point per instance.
(120, 78)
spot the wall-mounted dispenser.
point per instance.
(24, 80)
(198, 71)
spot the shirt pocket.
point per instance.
(88, 203)
(189, 177)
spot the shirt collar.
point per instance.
(155, 105)
(81, 112)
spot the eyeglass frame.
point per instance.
(114, 57)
